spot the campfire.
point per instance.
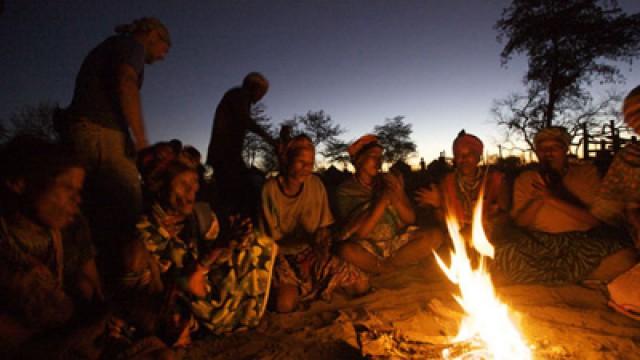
(485, 330)
(487, 324)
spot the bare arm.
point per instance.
(89, 282)
(527, 199)
(362, 224)
(129, 96)
(527, 214)
(542, 196)
(578, 213)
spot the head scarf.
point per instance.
(361, 145)
(157, 162)
(468, 140)
(555, 133)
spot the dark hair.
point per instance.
(35, 162)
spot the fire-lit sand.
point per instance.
(569, 322)
(412, 314)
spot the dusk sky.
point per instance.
(435, 62)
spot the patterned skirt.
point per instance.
(553, 259)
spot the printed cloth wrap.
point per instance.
(237, 284)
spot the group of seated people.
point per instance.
(185, 272)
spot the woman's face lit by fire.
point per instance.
(552, 154)
(59, 204)
(300, 166)
(181, 195)
(466, 160)
(369, 162)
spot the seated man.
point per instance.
(564, 242)
(375, 212)
(296, 214)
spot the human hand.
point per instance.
(394, 185)
(196, 282)
(209, 258)
(428, 196)
(540, 189)
(239, 230)
(322, 243)
(393, 181)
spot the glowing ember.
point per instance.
(487, 323)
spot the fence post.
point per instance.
(585, 141)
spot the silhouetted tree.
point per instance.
(569, 44)
(336, 151)
(322, 130)
(320, 127)
(294, 125)
(35, 120)
(256, 151)
(395, 136)
(522, 115)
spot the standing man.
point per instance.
(236, 191)
(104, 124)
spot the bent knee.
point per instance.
(615, 264)
(624, 257)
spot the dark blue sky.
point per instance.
(434, 61)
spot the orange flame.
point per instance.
(486, 317)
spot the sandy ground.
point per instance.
(569, 322)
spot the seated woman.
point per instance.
(50, 292)
(618, 201)
(565, 242)
(458, 192)
(296, 214)
(375, 213)
(218, 282)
